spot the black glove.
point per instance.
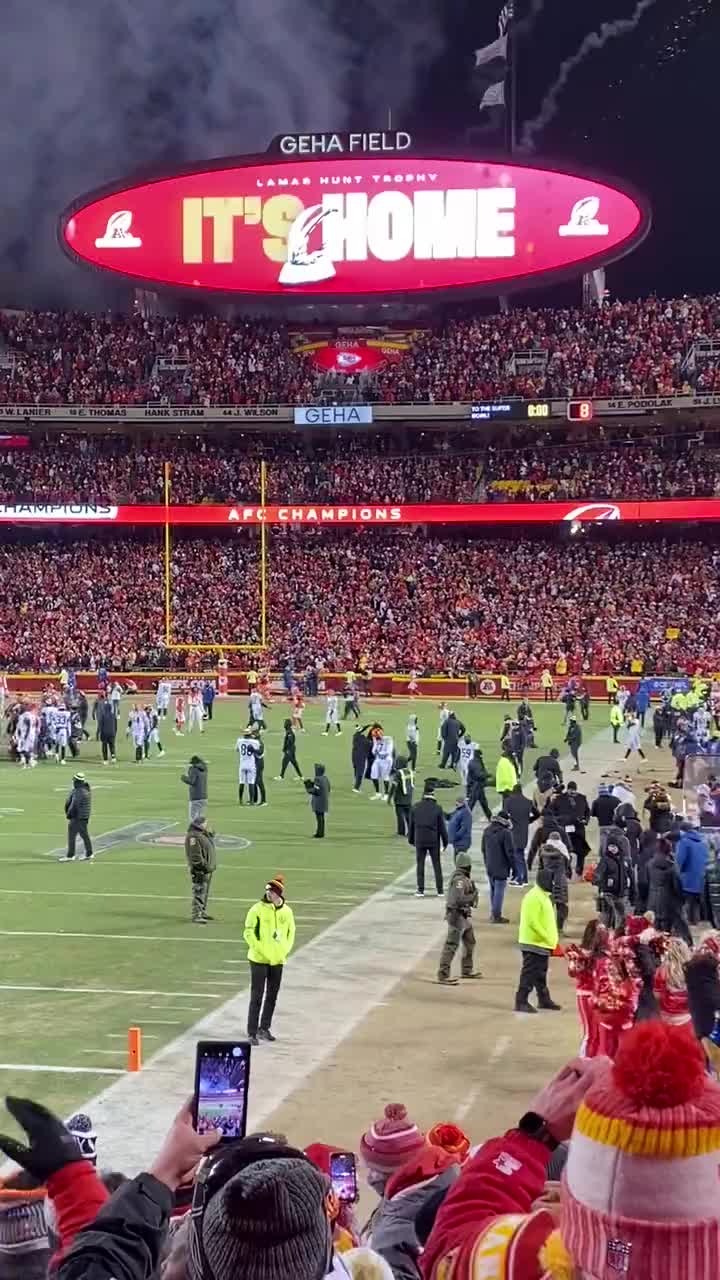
(51, 1146)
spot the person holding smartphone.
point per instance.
(269, 934)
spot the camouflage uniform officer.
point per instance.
(462, 896)
(200, 854)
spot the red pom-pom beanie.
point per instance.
(641, 1192)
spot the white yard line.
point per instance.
(129, 937)
(69, 1071)
(166, 897)
(108, 991)
(119, 1035)
(350, 966)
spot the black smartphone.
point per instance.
(343, 1175)
(222, 1079)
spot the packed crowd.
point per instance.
(621, 348)
(431, 604)
(430, 468)
(610, 1169)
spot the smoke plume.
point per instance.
(593, 41)
(103, 88)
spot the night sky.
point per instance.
(645, 107)
(98, 91)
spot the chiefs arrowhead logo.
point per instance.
(347, 359)
(594, 511)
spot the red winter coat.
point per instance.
(505, 1177)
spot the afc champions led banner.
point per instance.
(341, 226)
(368, 513)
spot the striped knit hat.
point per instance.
(391, 1141)
(641, 1193)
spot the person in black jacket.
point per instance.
(665, 895)
(427, 832)
(703, 986)
(451, 733)
(647, 849)
(499, 855)
(549, 764)
(659, 809)
(547, 826)
(402, 781)
(476, 780)
(257, 792)
(603, 808)
(612, 883)
(572, 811)
(106, 727)
(521, 812)
(289, 752)
(78, 807)
(712, 886)
(660, 725)
(573, 737)
(361, 748)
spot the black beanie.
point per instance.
(545, 880)
(268, 1221)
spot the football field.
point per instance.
(90, 950)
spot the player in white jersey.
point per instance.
(62, 733)
(701, 722)
(412, 737)
(162, 697)
(331, 714)
(115, 697)
(256, 706)
(153, 731)
(466, 752)
(444, 713)
(381, 767)
(247, 748)
(138, 728)
(196, 710)
(26, 738)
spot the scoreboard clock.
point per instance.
(580, 410)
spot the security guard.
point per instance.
(200, 854)
(462, 896)
(402, 781)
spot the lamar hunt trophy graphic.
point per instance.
(117, 232)
(305, 266)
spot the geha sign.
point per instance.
(349, 225)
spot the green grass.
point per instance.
(139, 891)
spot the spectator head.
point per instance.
(81, 1127)
(460, 802)
(262, 1211)
(388, 1144)
(640, 1184)
(275, 890)
(429, 787)
(555, 753)
(463, 862)
(544, 880)
(449, 1136)
(517, 789)
(287, 724)
(25, 1249)
(571, 786)
(595, 935)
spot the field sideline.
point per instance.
(90, 950)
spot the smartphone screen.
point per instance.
(343, 1175)
(222, 1077)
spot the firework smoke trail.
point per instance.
(593, 41)
(101, 88)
